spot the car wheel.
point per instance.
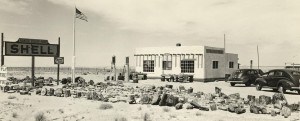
(298, 92)
(258, 87)
(281, 89)
(232, 84)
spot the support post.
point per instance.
(58, 63)
(251, 62)
(2, 47)
(32, 70)
(114, 68)
(127, 70)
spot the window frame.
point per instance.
(215, 65)
(187, 66)
(148, 65)
(167, 65)
(231, 64)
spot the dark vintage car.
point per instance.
(243, 76)
(279, 80)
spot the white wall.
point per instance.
(223, 63)
(204, 70)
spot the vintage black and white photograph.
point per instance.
(150, 60)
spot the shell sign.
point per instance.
(31, 48)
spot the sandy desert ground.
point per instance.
(27, 107)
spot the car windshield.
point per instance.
(295, 73)
(238, 73)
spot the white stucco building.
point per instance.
(205, 63)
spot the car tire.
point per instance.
(281, 89)
(258, 86)
(298, 92)
(232, 84)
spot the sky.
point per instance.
(117, 27)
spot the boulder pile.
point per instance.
(168, 95)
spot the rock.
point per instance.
(44, 91)
(286, 112)
(172, 100)
(51, 92)
(105, 99)
(95, 96)
(162, 102)
(294, 107)
(22, 92)
(213, 106)
(155, 100)
(251, 98)
(190, 90)
(217, 90)
(219, 100)
(78, 94)
(264, 100)
(239, 110)
(89, 96)
(67, 93)
(181, 88)
(209, 96)
(178, 106)
(273, 113)
(145, 99)
(232, 107)
(38, 91)
(169, 86)
(58, 92)
(264, 111)
(277, 97)
(235, 96)
(189, 106)
(132, 99)
(223, 107)
(196, 105)
(181, 99)
(254, 109)
(277, 105)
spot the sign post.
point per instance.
(2, 45)
(58, 61)
(32, 70)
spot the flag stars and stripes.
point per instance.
(80, 15)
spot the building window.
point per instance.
(215, 64)
(214, 51)
(187, 66)
(148, 66)
(231, 65)
(167, 65)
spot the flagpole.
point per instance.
(74, 57)
(257, 57)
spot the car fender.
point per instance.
(260, 81)
(285, 83)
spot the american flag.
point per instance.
(80, 15)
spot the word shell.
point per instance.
(22, 49)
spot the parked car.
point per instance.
(243, 76)
(260, 72)
(279, 79)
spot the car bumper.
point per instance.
(295, 88)
(236, 82)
